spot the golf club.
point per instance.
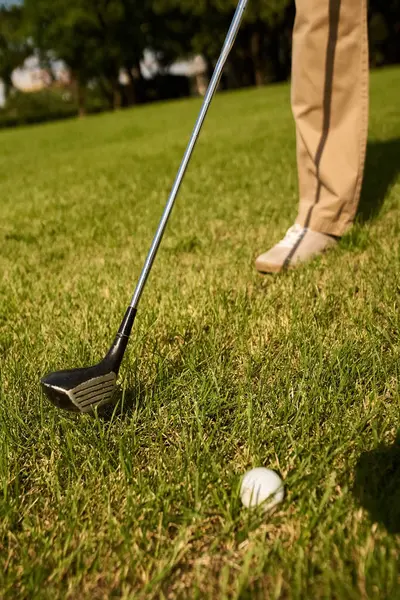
(84, 389)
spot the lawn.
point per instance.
(226, 369)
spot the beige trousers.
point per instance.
(330, 106)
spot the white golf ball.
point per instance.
(262, 486)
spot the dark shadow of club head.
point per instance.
(382, 167)
(125, 402)
(377, 485)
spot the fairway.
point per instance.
(226, 370)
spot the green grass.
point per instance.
(226, 370)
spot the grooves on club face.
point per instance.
(83, 390)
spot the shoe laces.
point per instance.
(292, 236)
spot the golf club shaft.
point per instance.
(229, 41)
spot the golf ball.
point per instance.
(261, 486)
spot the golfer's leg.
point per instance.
(330, 106)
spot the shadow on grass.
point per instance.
(133, 398)
(124, 404)
(377, 485)
(381, 169)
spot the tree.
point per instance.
(122, 29)
(66, 31)
(95, 38)
(262, 50)
(14, 47)
(268, 27)
(384, 32)
(206, 24)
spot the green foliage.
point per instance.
(262, 50)
(14, 46)
(23, 108)
(66, 31)
(384, 31)
(46, 105)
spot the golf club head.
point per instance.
(83, 390)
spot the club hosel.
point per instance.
(117, 350)
(127, 322)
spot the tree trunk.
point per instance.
(79, 91)
(117, 96)
(132, 95)
(209, 66)
(279, 53)
(256, 55)
(81, 99)
(106, 90)
(8, 86)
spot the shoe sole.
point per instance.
(264, 270)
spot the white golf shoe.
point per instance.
(299, 245)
